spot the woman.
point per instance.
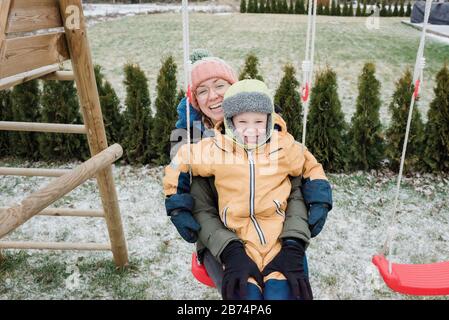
(216, 245)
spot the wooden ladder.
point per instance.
(26, 54)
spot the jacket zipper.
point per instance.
(252, 184)
(225, 211)
(279, 211)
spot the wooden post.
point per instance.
(78, 44)
(4, 11)
(15, 216)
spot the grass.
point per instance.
(342, 43)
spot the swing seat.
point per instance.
(415, 279)
(200, 272)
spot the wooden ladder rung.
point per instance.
(43, 127)
(66, 212)
(11, 81)
(54, 245)
(32, 172)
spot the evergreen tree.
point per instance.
(250, 70)
(366, 139)
(262, 6)
(284, 6)
(326, 9)
(408, 13)
(268, 7)
(395, 12)
(365, 7)
(59, 102)
(344, 10)
(166, 115)
(256, 6)
(5, 115)
(350, 11)
(287, 99)
(401, 10)
(319, 9)
(250, 8)
(358, 10)
(298, 7)
(399, 108)
(26, 108)
(274, 6)
(291, 7)
(326, 127)
(383, 10)
(338, 9)
(137, 116)
(437, 128)
(333, 8)
(110, 107)
(242, 6)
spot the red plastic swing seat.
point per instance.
(415, 279)
(200, 272)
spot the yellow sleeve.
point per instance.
(303, 163)
(177, 175)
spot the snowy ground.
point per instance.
(339, 259)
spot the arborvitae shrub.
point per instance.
(166, 115)
(436, 153)
(137, 115)
(288, 100)
(399, 109)
(326, 127)
(365, 135)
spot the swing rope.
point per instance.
(417, 81)
(307, 64)
(187, 75)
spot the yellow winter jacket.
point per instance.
(253, 186)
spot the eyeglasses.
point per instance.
(219, 88)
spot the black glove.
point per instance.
(185, 224)
(290, 262)
(238, 269)
(317, 217)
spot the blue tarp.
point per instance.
(439, 13)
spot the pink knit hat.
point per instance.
(207, 68)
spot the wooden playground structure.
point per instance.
(36, 37)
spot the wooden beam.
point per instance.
(54, 246)
(26, 15)
(28, 53)
(32, 172)
(8, 82)
(43, 127)
(60, 76)
(4, 11)
(78, 45)
(65, 212)
(15, 216)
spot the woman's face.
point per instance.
(209, 95)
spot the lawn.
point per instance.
(343, 43)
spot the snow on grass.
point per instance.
(339, 258)
(95, 10)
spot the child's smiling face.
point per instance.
(251, 127)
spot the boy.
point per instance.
(251, 157)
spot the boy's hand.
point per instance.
(290, 262)
(186, 225)
(317, 217)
